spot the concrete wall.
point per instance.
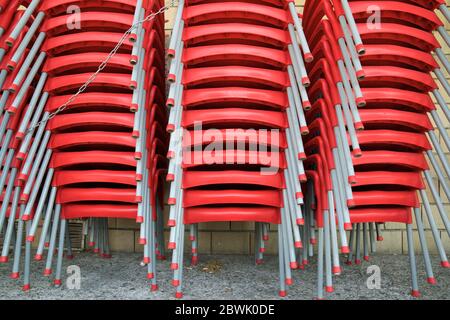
(237, 238)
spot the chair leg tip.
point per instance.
(431, 280)
(337, 270)
(445, 264)
(154, 287)
(26, 287)
(282, 293)
(47, 272)
(14, 275)
(57, 282)
(179, 295)
(415, 293)
(329, 289)
(175, 283)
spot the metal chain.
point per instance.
(103, 65)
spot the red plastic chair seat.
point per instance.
(236, 96)
(234, 157)
(397, 12)
(111, 21)
(257, 137)
(58, 7)
(65, 159)
(411, 180)
(71, 195)
(71, 177)
(246, 33)
(390, 138)
(397, 98)
(395, 118)
(195, 198)
(91, 138)
(106, 81)
(79, 211)
(83, 41)
(398, 56)
(235, 12)
(390, 198)
(237, 116)
(235, 76)
(382, 76)
(407, 160)
(217, 214)
(92, 101)
(193, 179)
(106, 120)
(223, 54)
(393, 33)
(381, 215)
(86, 62)
(274, 3)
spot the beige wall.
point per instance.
(237, 238)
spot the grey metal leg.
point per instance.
(439, 203)
(412, 260)
(365, 242)
(7, 196)
(51, 248)
(358, 244)
(69, 255)
(18, 247)
(424, 245)
(62, 236)
(22, 22)
(434, 230)
(350, 247)
(282, 292)
(320, 264)
(443, 8)
(10, 226)
(46, 224)
(328, 275)
(373, 243)
(26, 277)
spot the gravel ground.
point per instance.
(122, 277)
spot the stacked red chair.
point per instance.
(83, 124)
(237, 65)
(389, 103)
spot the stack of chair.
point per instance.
(237, 65)
(102, 155)
(384, 83)
(333, 120)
